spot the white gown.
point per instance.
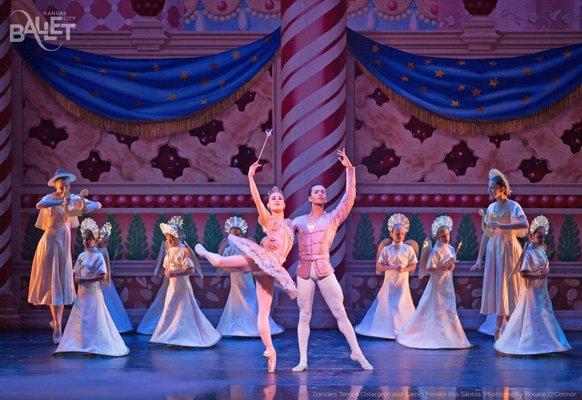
(500, 287)
(393, 306)
(241, 311)
(90, 328)
(113, 301)
(435, 324)
(150, 320)
(533, 328)
(182, 323)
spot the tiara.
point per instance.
(398, 219)
(440, 222)
(105, 230)
(236, 222)
(539, 221)
(177, 221)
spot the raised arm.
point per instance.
(261, 209)
(340, 213)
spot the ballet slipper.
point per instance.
(271, 360)
(362, 361)
(57, 332)
(302, 366)
(213, 259)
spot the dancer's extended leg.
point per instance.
(233, 263)
(306, 290)
(334, 298)
(265, 286)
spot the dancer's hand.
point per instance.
(270, 244)
(253, 169)
(477, 266)
(343, 158)
(450, 265)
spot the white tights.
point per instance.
(334, 298)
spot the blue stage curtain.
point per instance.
(492, 95)
(149, 97)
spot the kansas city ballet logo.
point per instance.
(58, 24)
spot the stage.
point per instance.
(234, 369)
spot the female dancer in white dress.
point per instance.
(112, 299)
(533, 328)
(241, 311)
(51, 276)
(393, 306)
(90, 328)
(503, 221)
(435, 324)
(181, 323)
(266, 265)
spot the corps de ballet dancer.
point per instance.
(533, 328)
(393, 306)
(435, 323)
(503, 222)
(90, 328)
(51, 276)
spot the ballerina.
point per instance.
(181, 323)
(90, 328)
(503, 222)
(435, 324)
(393, 306)
(266, 265)
(51, 275)
(240, 314)
(533, 328)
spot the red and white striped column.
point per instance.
(5, 147)
(313, 108)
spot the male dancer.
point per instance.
(316, 232)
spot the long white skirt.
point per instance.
(391, 309)
(182, 323)
(435, 324)
(116, 308)
(90, 328)
(240, 314)
(533, 328)
(150, 320)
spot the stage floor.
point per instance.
(234, 368)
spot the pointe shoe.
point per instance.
(271, 361)
(57, 332)
(362, 361)
(302, 366)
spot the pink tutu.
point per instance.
(267, 261)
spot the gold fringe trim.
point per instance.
(465, 127)
(153, 129)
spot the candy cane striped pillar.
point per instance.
(313, 108)
(8, 318)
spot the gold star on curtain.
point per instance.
(156, 67)
(184, 76)
(204, 81)
(375, 48)
(439, 73)
(476, 92)
(254, 58)
(527, 71)
(481, 109)
(377, 62)
(539, 58)
(455, 103)
(461, 88)
(235, 54)
(567, 54)
(171, 97)
(404, 78)
(493, 63)
(62, 72)
(103, 71)
(133, 76)
(213, 65)
(461, 62)
(525, 99)
(493, 82)
(428, 61)
(424, 89)
(203, 101)
(221, 84)
(410, 65)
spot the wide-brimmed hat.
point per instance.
(61, 173)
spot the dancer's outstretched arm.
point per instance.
(340, 213)
(261, 209)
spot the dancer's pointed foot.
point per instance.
(57, 332)
(302, 366)
(271, 360)
(362, 361)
